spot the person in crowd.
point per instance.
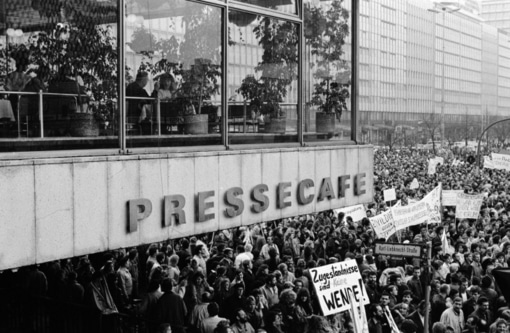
(454, 316)
(241, 323)
(418, 316)
(209, 324)
(170, 308)
(264, 252)
(483, 314)
(199, 313)
(270, 291)
(125, 279)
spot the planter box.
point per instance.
(196, 124)
(276, 125)
(325, 122)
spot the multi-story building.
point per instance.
(496, 13)
(423, 62)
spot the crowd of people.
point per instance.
(257, 279)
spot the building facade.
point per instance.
(126, 122)
(422, 64)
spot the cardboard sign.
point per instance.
(337, 285)
(433, 201)
(383, 224)
(390, 195)
(450, 197)
(432, 167)
(414, 184)
(468, 206)
(357, 212)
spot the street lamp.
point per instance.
(443, 7)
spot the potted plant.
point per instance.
(199, 84)
(276, 71)
(199, 81)
(326, 30)
(65, 45)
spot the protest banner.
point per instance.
(500, 161)
(450, 197)
(433, 201)
(468, 206)
(337, 285)
(357, 212)
(406, 216)
(414, 184)
(383, 224)
(487, 163)
(389, 195)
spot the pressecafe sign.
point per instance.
(398, 250)
(101, 203)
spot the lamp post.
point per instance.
(443, 7)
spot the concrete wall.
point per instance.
(59, 208)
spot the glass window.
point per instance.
(286, 6)
(58, 68)
(264, 108)
(327, 73)
(174, 73)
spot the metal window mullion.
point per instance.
(252, 9)
(301, 83)
(355, 69)
(122, 76)
(224, 88)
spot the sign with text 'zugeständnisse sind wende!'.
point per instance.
(398, 250)
(338, 285)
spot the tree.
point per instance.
(431, 123)
(326, 31)
(393, 137)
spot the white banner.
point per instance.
(450, 197)
(433, 201)
(500, 161)
(468, 206)
(383, 224)
(389, 195)
(357, 212)
(337, 284)
(406, 216)
(487, 163)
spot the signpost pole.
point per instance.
(427, 288)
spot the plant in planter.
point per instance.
(199, 80)
(199, 85)
(276, 71)
(92, 54)
(326, 30)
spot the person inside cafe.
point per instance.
(68, 82)
(140, 109)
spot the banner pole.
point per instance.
(427, 288)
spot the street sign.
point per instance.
(398, 250)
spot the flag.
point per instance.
(444, 243)
(358, 315)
